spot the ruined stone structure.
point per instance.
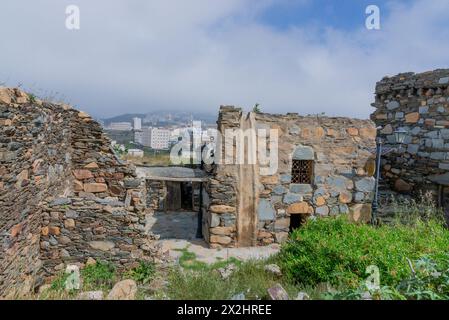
(64, 195)
(419, 104)
(325, 167)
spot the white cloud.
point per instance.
(131, 56)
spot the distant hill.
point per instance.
(164, 117)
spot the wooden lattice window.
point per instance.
(302, 171)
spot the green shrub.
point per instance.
(335, 251)
(142, 274)
(98, 275)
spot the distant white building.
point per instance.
(160, 139)
(135, 153)
(138, 137)
(120, 126)
(137, 123)
(146, 136)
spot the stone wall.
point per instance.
(343, 164)
(419, 104)
(65, 196)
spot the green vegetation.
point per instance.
(326, 258)
(338, 252)
(249, 279)
(142, 274)
(99, 275)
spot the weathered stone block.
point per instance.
(301, 188)
(299, 208)
(95, 187)
(303, 153)
(360, 213)
(365, 184)
(266, 210)
(412, 117)
(82, 174)
(224, 240)
(222, 209)
(322, 211)
(392, 105)
(102, 245)
(290, 198)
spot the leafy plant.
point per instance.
(336, 251)
(98, 275)
(143, 274)
(256, 108)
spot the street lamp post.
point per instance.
(399, 135)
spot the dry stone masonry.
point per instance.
(418, 104)
(64, 195)
(340, 151)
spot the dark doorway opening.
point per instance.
(296, 221)
(186, 196)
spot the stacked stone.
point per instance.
(342, 151)
(47, 150)
(418, 104)
(34, 164)
(343, 166)
(219, 227)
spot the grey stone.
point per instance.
(132, 183)
(359, 196)
(415, 131)
(440, 179)
(438, 155)
(338, 182)
(413, 148)
(290, 198)
(444, 80)
(399, 115)
(444, 133)
(424, 109)
(322, 211)
(303, 153)
(277, 293)
(266, 210)
(441, 109)
(279, 190)
(273, 269)
(60, 202)
(344, 209)
(365, 184)
(392, 105)
(443, 166)
(286, 178)
(71, 214)
(214, 220)
(437, 143)
(295, 130)
(301, 188)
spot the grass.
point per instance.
(335, 251)
(249, 278)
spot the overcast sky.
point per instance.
(305, 56)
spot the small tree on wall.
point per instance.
(256, 108)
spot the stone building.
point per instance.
(324, 167)
(418, 104)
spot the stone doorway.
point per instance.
(180, 196)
